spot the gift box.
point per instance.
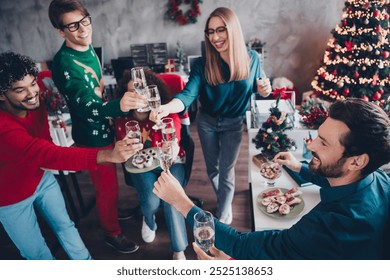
(170, 67)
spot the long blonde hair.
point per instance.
(238, 54)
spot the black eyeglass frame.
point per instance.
(217, 30)
(77, 24)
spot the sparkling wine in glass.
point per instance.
(168, 129)
(154, 101)
(165, 155)
(133, 131)
(139, 82)
(204, 230)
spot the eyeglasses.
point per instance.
(218, 30)
(74, 26)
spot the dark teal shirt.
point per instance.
(350, 222)
(229, 99)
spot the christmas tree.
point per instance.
(270, 137)
(356, 62)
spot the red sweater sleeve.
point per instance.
(26, 149)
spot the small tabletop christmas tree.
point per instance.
(270, 137)
(356, 62)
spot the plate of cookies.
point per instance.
(145, 161)
(281, 203)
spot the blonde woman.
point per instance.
(224, 81)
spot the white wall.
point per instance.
(295, 31)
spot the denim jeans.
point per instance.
(20, 223)
(221, 139)
(149, 202)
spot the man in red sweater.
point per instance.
(26, 150)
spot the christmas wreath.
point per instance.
(182, 18)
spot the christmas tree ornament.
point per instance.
(376, 96)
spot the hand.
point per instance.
(216, 254)
(168, 188)
(132, 100)
(287, 159)
(264, 87)
(162, 112)
(123, 150)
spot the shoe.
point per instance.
(177, 256)
(228, 219)
(121, 244)
(125, 214)
(147, 234)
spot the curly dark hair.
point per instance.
(151, 79)
(369, 132)
(14, 67)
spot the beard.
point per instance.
(333, 170)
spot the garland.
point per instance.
(176, 14)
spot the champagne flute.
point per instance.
(139, 82)
(133, 131)
(165, 155)
(168, 129)
(204, 230)
(154, 101)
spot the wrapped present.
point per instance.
(170, 67)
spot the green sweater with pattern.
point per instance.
(78, 77)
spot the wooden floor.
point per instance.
(198, 186)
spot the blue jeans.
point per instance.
(149, 202)
(221, 139)
(20, 223)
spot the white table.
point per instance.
(310, 195)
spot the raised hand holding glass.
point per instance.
(139, 82)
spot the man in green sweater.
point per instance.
(77, 74)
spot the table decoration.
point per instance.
(271, 137)
(313, 113)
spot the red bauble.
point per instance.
(276, 138)
(334, 73)
(376, 13)
(344, 22)
(356, 74)
(365, 98)
(376, 96)
(385, 54)
(346, 92)
(323, 75)
(381, 91)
